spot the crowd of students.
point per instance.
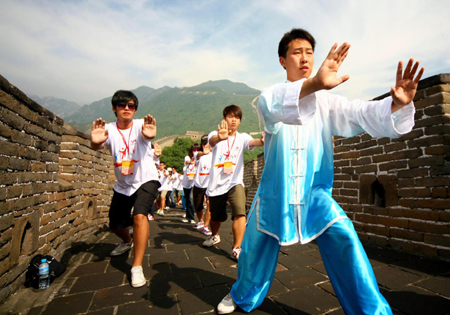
(212, 178)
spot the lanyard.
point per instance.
(229, 150)
(123, 138)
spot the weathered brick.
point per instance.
(441, 240)
(426, 142)
(437, 150)
(350, 155)
(395, 147)
(420, 249)
(438, 130)
(440, 192)
(351, 140)
(421, 214)
(5, 131)
(408, 203)
(435, 99)
(376, 229)
(340, 149)
(435, 181)
(29, 153)
(414, 134)
(366, 169)
(394, 222)
(415, 192)
(406, 234)
(12, 119)
(440, 109)
(411, 173)
(433, 203)
(429, 227)
(372, 151)
(426, 161)
(383, 141)
(393, 165)
(366, 144)
(366, 218)
(21, 137)
(19, 164)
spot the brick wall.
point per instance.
(396, 191)
(54, 189)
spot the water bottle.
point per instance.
(44, 280)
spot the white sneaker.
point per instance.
(235, 252)
(192, 221)
(206, 231)
(122, 248)
(213, 240)
(137, 277)
(199, 225)
(227, 305)
(166, 208)
(185, 221)
(150, 217)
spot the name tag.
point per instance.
(228, 168)
(191, 176)
(127, 167)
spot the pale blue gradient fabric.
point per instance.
(293, 202)
(344, 258)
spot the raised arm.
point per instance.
(222, 134)
(257, 142)
(326, 77)
(149, 128)
(99, 134)
(405, 84)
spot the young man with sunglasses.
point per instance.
(129, 142)
(293, 203)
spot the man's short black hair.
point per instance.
(234, 109)
(123, 96)
(295, 33)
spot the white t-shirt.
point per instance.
(180, 186)
(176, 180)
(166, 183)
(189, 173)
(230, 150)
(203, 169)
(130, 145)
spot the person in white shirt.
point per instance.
(293, 203)
(201, 181)
(164, 180)
(188, 182)
(129, 142)
(226, 180)
(175, 182)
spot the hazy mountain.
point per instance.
(58, 106)
(180, 109)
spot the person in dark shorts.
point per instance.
(227, 176)
(129, 142)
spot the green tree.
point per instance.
(174, 155)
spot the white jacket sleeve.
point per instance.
(349, 118)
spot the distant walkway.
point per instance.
(185, 278)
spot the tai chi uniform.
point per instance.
(293, 202)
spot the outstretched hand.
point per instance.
(99, 133)
(405, 83)
(326, 77)
(149, 127)
(222, 130)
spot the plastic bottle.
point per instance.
(44, 280)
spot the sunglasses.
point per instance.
(122, 106)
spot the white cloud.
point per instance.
(85, 50)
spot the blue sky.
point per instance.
(85, 50)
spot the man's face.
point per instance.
(232, 121)
(161, 166)
(299, 60)
(125, 111)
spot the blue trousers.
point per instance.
(345, 260)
